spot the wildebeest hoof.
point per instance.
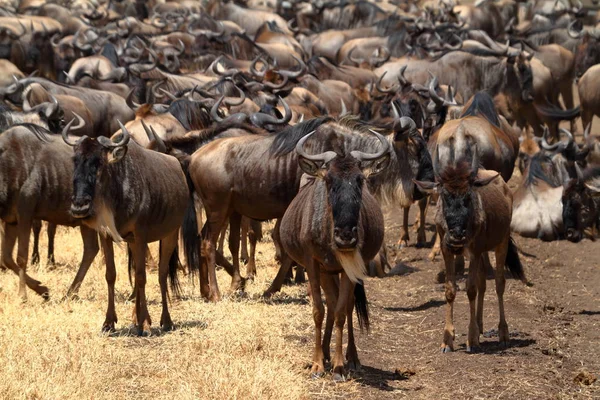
(446, 349)
(473, 349)
(144, 332)
(35, 259)
(108, 327)
(503, 344)
(70, 297)
(166, 326)
(354, 365)
(338, 378)
(45, 293)
(317, 375)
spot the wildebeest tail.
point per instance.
(514, 263)
(189, 229)
(362, 306)
(557, 114)
(173, 269)
(129, 264)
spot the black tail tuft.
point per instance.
(514, 263)
(189, 228)
(174, 265)
(362, 306)
(129, 264)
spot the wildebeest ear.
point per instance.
(426, 187)
(310, 167)
(116, 154)
(484, 181)
(375, 167)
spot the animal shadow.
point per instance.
(422, 307)
(376, 378)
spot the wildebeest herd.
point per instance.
(143, 121)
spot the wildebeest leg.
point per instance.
(51, 230)
(587, 116)
(286, 263)
(90, 249)
(351, 353)
(472, 281)
(341, 309)
(24, 232)
(330, 285)
(501, 252)
(138, 249)
(421, 237)
(318, 368)
(8, 244)
(299, 275)
(222, 239)
(167, 247)
(235, 221)
(35, 253)
(245, 227)
(214, 223)
(448, 342)
(436, 248)
(254, 234)
(481, 287)
(403, 242)
(111, 277)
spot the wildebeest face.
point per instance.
(344, 181)
(88, 160)
(524, 77)
(458, 213)
(587, 54)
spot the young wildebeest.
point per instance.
(334, 226)
(126, 192)
(473, 216)
(581, 204)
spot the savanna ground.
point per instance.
(248, 348)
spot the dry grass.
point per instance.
(240, 348)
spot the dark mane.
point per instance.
(190, 114)
(285, 141)
(542, 168)
(198, 138)
(40, 132)
(482, 105)
(110, 53)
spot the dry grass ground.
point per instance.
(236, 349)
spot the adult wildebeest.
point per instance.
(581, 205)
(37, 173)
(257, 176)
(126, 192)
(473, 216)
(335, 226)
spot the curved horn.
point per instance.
(261, 119)
(382, 90)
(239, 102)
(433, 93)
(324, 158)
(254, 71)
(569, 135)
(572, 32)
(129, 100)
(140, 68)
(579, 174)
(361, 156)
(110, 143)
(344, 109)
(357, 61)
(294, 74)
(213, 111)
(153, 137)
(401, 78)
(67, 128)
(55, 40)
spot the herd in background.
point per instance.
(143, 121)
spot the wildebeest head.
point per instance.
(91, 157)
(579, 208)
(519, 73)
(344, 175)
(528, 147)
(459, 202)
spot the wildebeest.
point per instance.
(473, 216)
(126, 192)
(37, 187)
(581, 205)
(334, 226)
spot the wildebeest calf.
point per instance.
(473, 215)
